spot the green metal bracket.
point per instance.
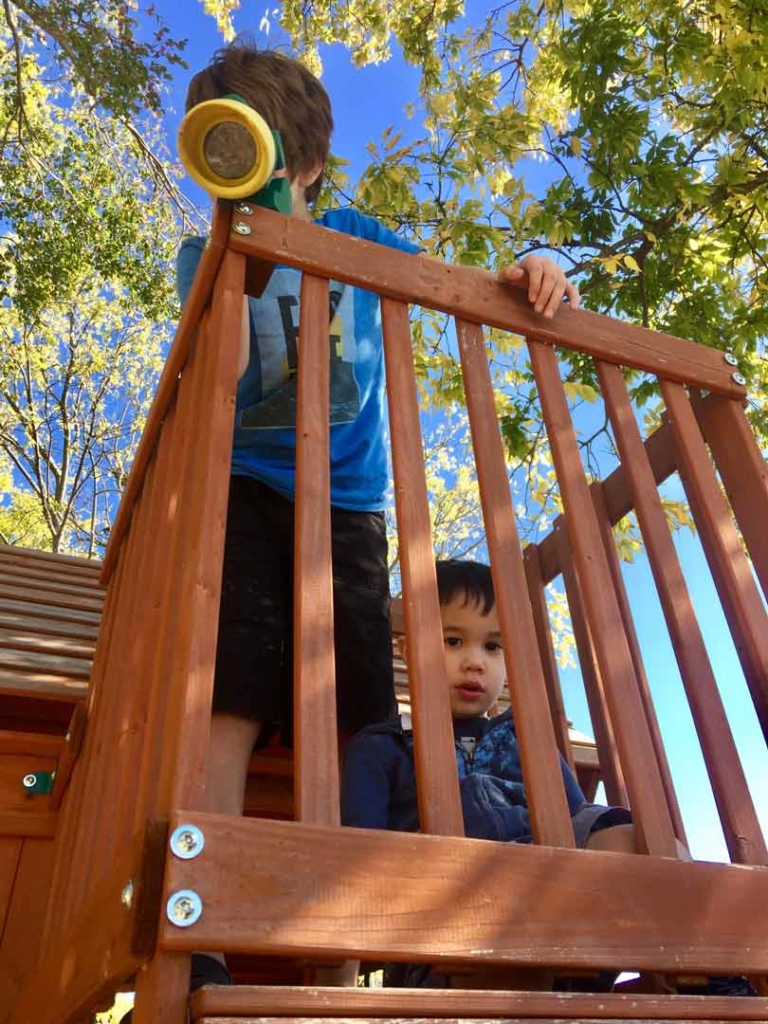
(39, 783)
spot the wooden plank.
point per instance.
(550, 817)
(743, 470)
(28, 824)
(316, 775)
(52, 587)
(13, 622)
(286, 888)
(36, 595)
(95, 952)
(742, 604)
(74, 562)
(743, 836)
(162, 989)
(547, 651)
(55, 612)
(190, 681)
(660, 450)
(273, 1002)
(47, 664)
(33, 744)
(73, 743)
(476, 295)
(10, 852)
(594, 689)
(24, 640)
(20, 944)
(42, 684)
(13, 795)
(606, 532)
(434, 754)
(23, 568)
(457, 1020)
(197, 300)
(646, 793)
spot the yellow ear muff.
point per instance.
(227, 148)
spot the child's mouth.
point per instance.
(470, 691)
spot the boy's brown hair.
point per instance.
(283, 91)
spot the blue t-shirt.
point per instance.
(265, 413)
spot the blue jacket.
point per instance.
(379, 785)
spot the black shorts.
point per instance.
(254, 651)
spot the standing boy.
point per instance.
(252, 693)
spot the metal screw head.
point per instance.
(187, 841)
(240, 228)
(245, 208)
(738, 378)
(730, 358)
(29, 781)
(126, 897)
(184, 908)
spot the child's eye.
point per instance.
(452, 641)
(493, 646)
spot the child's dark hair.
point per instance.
(283, 91)
(470, 580)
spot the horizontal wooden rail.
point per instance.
(285, 888)
(453, 1004)
(477, 295)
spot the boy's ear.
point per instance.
(308, 177)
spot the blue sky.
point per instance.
(365, 102)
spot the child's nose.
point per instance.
(473, 658)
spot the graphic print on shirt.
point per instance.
(276, 349)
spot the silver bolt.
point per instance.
(29, 781)
(184, 908)
(245, 208)
(187, 841)
(240, 228)
(738, 378)
(730, 358)
(126, 897)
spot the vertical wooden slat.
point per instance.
(166, 588)
(605, 741)
(646, 793)
(740, 825)
(606, 532)
(547, 651)
(728, 564)
(190, 680)
(437, 779)
(742, 469)
(316, 774)
(550, 817)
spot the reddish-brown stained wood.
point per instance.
(606, 532)
(286, 888)
(91, 955)
(10, 851)
(12, 622)
(190, 682)
(74, 563)
(162, 990)
(547, 651)
(67, 575)
(71, 751)
(48, 611)
(31, 824)
(34, 595)
(643, 781)
(20, 945)
(476, 295)
(11, 577)
(45, 664)
(728, 564)
(743, 470)
(34, 744)
(605, 741)
(744, 839)
(438, 786)
(550, 817)
(197, 300)
(370, 1003)
(26, 640)
(316, 777)
(43, 684)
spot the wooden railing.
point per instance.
(304, 888)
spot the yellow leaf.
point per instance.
(611, 265)
(575, 145)
(631, 262)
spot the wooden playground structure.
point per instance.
(117, 875)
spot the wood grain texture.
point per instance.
(476, 295)
(307, 890)
(550, 817)
(267, 1002)
(316, 774)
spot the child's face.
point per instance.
(474, 659)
